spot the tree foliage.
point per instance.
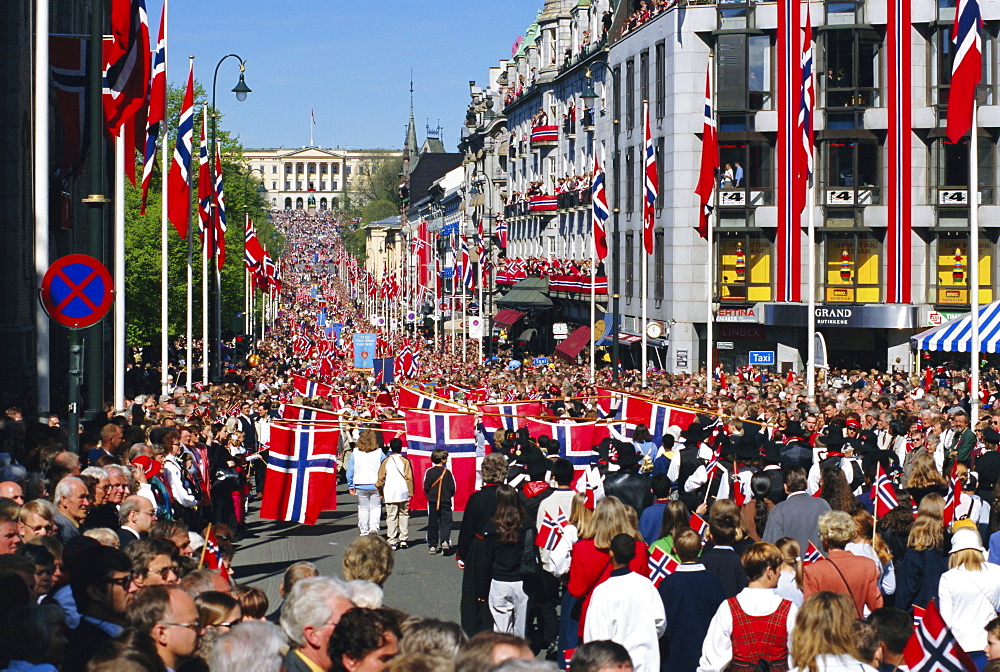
(376, 179)
(143, 236)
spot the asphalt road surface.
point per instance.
(421, 584)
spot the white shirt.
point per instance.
(173, 474)
(558, 501)
(628, 610)
(839, 663)
(558, 560)
(717, 651)
(700, 478)
(969, 600)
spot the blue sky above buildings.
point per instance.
(348, 59)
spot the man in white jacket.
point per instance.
(627, 609)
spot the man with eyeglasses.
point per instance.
(136, 515)
(117, 484)
(153, 562)
(101, 581)
(102, 512)
(72, 500)
(170, 618)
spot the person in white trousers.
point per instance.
(362, 474)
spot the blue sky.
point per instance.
(349, 60)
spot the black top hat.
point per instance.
(795, 428)
(627, 454)
(695, 433)
(832, 438)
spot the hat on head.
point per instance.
(795, 428)
(991, 435)
(627, 454)
(966, 538)
(149, 466)
(832, 437)
(695, 433)
(851, 423)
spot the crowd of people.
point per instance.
(747, 539)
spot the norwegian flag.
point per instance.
(918, 615)
(661, 565)
(68, 60)
(657, 417)
(933, 647)
(652, 186)
(506, 416)
(501, 232)
(433, 424)
(698, 524)
(590, 492)
(883, 494)
(310, 388)
(812, 555)
(807, 102)
(212, 555)
(219, 219)
(253, 252)
(126, 61)
(468, 278)
(966, 69)
(204, 187)
(709, 160)
(301, 478)
(300, 343)
(551, 531)
(739, 490)
(599, 200)
(157, 112)
(179, 179)
(954, 495)
(576, 441)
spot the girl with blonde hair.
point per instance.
(824, 636)
(362, 474)
(870, 545)
(969, 592)
(790, 580)
(918, 574)
(590, 563)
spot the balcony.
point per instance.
(544, 136)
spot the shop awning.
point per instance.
(528, 294)
(507, 317)
(573, 344)
(956, 335)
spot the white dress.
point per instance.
(627, 609)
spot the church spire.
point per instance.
(410, 148)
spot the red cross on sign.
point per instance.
(77, 291)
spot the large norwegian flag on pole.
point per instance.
(789, 98)
(301, 478)
(933, 647)
(433, 424)
(179, 179)
(599, 200)
(506, 416)
(652, 186)
(966, 69)
(157, 112)
(219, 215)
(126, 61)
(709, 160)
(204, 186)
(807, 102)
(657, 417)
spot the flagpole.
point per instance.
(41, 201)
(189, 365)
(709, 312)
(118, 356)
(164, 231)
(810, 205)
(973, 256)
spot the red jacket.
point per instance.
(589, 568)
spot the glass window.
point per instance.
(951, 169)
(744, 267)
(660, 166)
(616, 93)
(751, 163)
(852, 172)
(842, 12)
(644, 76)
(629, 264)
(629, 180)
(661, 87)
(734, 14)
(952, 272)
(629, 94)
(852, 66)
(851, 268)
(743, 72)
(658, 266)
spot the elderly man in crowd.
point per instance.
(309, 616)
(72, 501)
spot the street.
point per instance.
(421, 584)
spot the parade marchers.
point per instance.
(743, 538)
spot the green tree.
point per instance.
(142, 238)
(376, 179)
(378, 210)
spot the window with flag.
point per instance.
(942, 60)
(950, 171)
(851, 267)
(743, 72)
(850, 173)
(743, 262)
(950, 285)
(851, 78)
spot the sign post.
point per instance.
(77, 291)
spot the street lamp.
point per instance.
(215, 348)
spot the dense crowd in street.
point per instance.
(769, 531)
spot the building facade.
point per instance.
(890, 193)
(313, 177)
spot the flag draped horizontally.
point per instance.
(966, 69)
(179, 179)
(709, 160)
(157, 112)
(652, 186)
(599, 200)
